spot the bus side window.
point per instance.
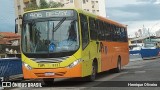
(93, 26)
(126, 37)
(103, 31)
(112, 32)
(117, 34)
(107, 32)
(84, 30)
(123, 35)
(99, 29)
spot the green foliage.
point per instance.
(43, 4)
(31, 6)
(53, 4)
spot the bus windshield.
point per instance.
(50, 36)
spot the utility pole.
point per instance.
(149, 35)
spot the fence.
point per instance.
(150, 52)
(10, 66)
(145, 53)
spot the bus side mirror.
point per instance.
(16, 28)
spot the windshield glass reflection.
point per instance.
(50, 36)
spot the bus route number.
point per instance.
(36, 15)
(55, 65)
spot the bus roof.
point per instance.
(84, 12)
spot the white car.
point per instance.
(137, 48)
(149, 46)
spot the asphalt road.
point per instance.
(138, 71)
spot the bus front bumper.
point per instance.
(66, 72)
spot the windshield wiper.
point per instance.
(33, 22)
(59, 24)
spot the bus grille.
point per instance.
(49, 60)
(56, 74)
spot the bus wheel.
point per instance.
(94, 72)
(48, 81)
(118, 69)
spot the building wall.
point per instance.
(19, 10)
(102, 8)
(77, 3)
(93, 6)
(158, 33)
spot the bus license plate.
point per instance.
(49, 74)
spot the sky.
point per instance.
(134, 13)
(7, 16)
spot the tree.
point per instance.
(53, 4)
(31, 6)
(43, 4)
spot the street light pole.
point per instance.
(151, 29)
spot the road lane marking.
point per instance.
(139, 72)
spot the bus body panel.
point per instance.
(90, 53)
(113, 51)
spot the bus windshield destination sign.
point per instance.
(48, 14)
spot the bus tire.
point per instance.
(119, 66)
(48, 81)
(92, 77)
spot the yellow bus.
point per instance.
(66, 43)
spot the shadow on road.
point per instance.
(81, 82)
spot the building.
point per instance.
(9, 38)
(19, 10)
(93, 6)
(158, 33)
(9, 43)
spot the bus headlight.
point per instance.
(27, 66)
(74, 63)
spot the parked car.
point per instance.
(150, 45)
